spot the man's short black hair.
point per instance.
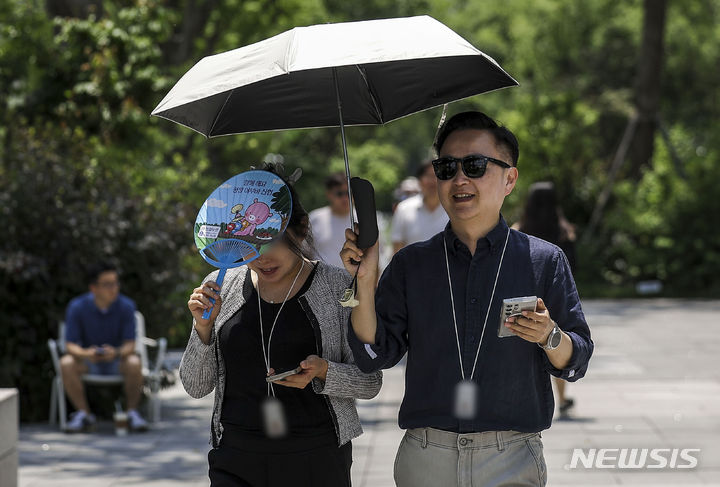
(335, 180)
(424, 165)
(505, 139)
(94, 271)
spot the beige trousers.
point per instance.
(429, 457)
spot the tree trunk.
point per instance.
(196, 14)
(647, 83)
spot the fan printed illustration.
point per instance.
(240, 219)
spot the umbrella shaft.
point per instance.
(344, 144)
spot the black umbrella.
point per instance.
(328, 75)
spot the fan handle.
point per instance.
(221, 275)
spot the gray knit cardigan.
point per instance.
(202, 368)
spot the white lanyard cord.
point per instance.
(452, 301)
(266, 356)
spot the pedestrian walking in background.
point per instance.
(329, 222)
(419, 217)
(408, 187)
(543, 217)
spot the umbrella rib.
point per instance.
(287, 61)
(217, 116)
(378, 113)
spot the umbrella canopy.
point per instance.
(380, 70)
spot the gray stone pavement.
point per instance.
(653, 383)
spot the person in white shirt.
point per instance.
(421, 216)
(329, 222)
(408, 187)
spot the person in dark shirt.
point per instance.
(475, 402)
(542, 217)
(100, 339)
(276, 314)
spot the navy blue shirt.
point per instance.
(88, 325)
(414, 315)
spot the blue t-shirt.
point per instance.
(87, 325)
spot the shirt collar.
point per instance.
(495, 238)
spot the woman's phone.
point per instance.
(282, 375)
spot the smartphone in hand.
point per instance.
(514, 307)
(282, 375)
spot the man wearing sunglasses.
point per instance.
(329, 222)
(475, 402)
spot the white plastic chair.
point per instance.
(153, 376)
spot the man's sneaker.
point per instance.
(79, 422)
(136, 422)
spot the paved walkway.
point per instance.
(653, 383)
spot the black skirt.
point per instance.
(248, 460)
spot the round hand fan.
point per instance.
(240, 219)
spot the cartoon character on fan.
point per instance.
(238, 219)
(256, 214)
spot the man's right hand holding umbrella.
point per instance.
(363, 317)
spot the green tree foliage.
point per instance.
(86, 173)
(577, 63)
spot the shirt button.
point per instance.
(473, 300)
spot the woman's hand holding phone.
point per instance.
(311, 367)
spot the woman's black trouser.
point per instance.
(247, 460)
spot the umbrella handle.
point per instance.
(366, 215)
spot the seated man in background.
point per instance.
(100, 339)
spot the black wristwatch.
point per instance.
(554, 338)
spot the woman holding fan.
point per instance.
(279, 314)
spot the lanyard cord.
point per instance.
(266, 356)
(452, 301)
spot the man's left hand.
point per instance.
(533, 326)
(313, 366)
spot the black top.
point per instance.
(513, 375)
(294, 338)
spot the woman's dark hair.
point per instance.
(504, 138)
(299, 239)
(542, 216)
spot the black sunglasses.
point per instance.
(473, 166)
